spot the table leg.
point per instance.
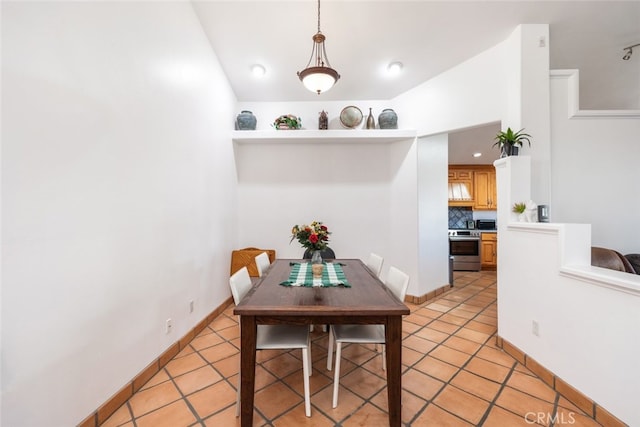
(248, 332)
(393, 333)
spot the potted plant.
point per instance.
(519, 208)
(287, 121)
(509, 141)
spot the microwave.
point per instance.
(485, 224)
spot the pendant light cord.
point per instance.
(318, 15)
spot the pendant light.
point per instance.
(318, 76)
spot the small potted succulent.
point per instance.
(519, 208)
(510, 141)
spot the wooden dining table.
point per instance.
(366, 301)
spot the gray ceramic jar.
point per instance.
(246, 121)
(388, 119)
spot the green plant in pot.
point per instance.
(510, 141)
(519, 207)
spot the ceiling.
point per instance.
(465, 143)
(428, 37)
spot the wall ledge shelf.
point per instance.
(331, 136)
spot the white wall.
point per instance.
(472, 93)
(433, 244)
(594, 167)
(529, 96)
(588, 331)
(587, 317)
(345, 186)
(118, 197)
(363, 192)
(475, 92)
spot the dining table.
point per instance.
(360, 297)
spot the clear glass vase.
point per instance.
(316, 264)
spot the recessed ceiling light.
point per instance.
(394, 68)
(477, 154)
(258, 70)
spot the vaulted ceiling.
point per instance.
(428, 37)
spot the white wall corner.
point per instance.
(573, 100)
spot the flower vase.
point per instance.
(316, 264)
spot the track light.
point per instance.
(628, 51)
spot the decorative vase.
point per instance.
(371, 123)
(388, 119)
(530, 215)
(316, 264)
(246, 121)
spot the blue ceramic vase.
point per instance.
(388, 119)
(246, 121)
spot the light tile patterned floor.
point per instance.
(453, 375)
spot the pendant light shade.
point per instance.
(318, 76)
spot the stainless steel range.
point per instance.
(464, 247)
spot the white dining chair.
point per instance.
(397, 282)
(375, 263)
(275, 337)
(263, 263)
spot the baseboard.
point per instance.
(101, 414)
(428, 296)
(583, 402)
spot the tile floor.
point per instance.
(453, 375)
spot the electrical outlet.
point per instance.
(191, 306)
(168, 326)
(535, 328)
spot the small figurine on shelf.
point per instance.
(323, 121)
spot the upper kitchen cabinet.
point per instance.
(484, 185)
(460, 187)
(473, 186)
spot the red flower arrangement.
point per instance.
(314, 236)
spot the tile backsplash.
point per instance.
(458, 217)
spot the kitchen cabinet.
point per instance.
(460, 187)
(489, 251)
(477, 183)
(484, 187)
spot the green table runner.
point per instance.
(302, 275)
